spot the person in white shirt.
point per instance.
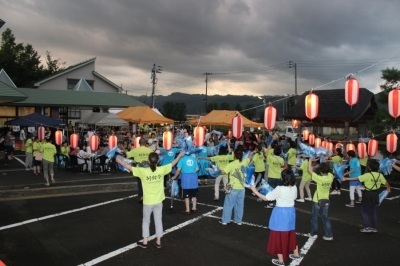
(83, 158)
(22, 138)
(282, 238)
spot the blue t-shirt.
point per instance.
(356, 167)
(188, 164)
(169, 155)
(204, 152)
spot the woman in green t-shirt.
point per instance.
(153, 193)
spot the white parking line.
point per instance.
(64, 213)
(134, 245)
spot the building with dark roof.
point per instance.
(69, 94)
(334, 112)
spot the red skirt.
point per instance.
(281, 243)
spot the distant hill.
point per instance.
(195, 104)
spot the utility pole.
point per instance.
(154, 72)
(294, 65)
(205, 99)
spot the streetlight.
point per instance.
(264, 103)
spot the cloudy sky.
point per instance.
(246, 45)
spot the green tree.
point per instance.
(250, 112)
(212, 106)
(225, 106)
(238, 107)
(22, 63)
(180, 111)
(391, 77)
(382, 121)
(168, 109)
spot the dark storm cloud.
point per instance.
(249, 41)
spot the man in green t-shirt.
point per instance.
(49, 151)
(28, 153)
(321, 199)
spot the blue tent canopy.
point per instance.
(35, 120)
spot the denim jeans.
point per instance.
(323, 212)
(233, 201)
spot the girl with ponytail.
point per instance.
(153, 193)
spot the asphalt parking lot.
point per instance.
(95, 219)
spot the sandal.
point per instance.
(157, 245)
(141, 245)
(185, 212)
(194, 210)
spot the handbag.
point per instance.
(38, 156)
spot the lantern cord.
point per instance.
(352, 74)
(270, 103)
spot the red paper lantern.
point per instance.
(230, 133)
(312, 105)
(58, 136)
(323, 144)
(339, 145)
(391, 142)
(329, 146)
(362, 149)
(352, 91)
(41, 133)
(269, 117)
(237, 127)
(199, 135)
(311, 139)
(73, 140)
(112, 142)
(394, 103)
(317, 142)
(372, 147)
(306, 133)
(167, 140)
(295, 123)
(350, 147)
(94, 142)
(136, 142)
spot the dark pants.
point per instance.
(369, 216)
(336, 185)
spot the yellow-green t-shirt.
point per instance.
(364, 161)
(323, 186)
(28, 145)
(274, 166)
(139, 154)
(337, 159)
(48, 150)
(36, 148)
(65, 151)
(291, 156)
(259, 164)
(368, 179)
(222, 160)
(306, 175)
(152, 182)
(231, 168)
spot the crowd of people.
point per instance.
(275, 161)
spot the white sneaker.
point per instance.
(350, 205)
(300, 200)
(309, 199)
(313, 237)
(327, 238)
